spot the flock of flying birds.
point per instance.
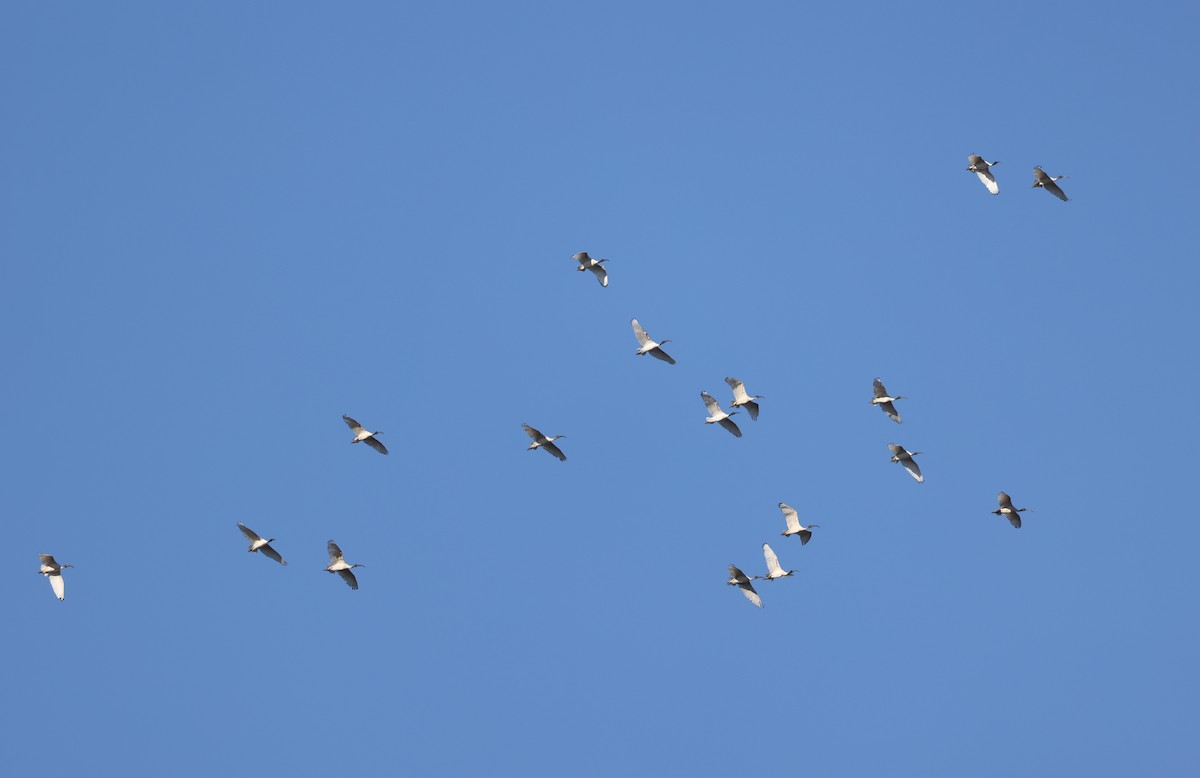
(741, 399)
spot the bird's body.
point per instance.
(742, 581)
(594, 265)
(362, 435)
(794, 527)
(981, 168)
(53, 570)
(647, 346)
(741, 399)
(773, 569)
(1007, 510)
(885, 401)
(545, 442)
(1043, 181)
(718, 416)
(337, 564)
(905, 458)
(260, 544)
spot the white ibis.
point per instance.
(544, 442)
(1040, 179)
(647, 346)
(905, 458)
(743, 400)
(742, 581)
(337, 564)
(718, 416)
(259, 544)
(361, 435)
(587, 263)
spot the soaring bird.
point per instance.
(980, 168)
(742, 581)
(53, 571)
(1047, 182)
(794, 527)
(647, 346)
(547, 443)
(773, 569)
(718, 416)
(363, 436)
(905, 458)
(258, 544)
(1007, 510)
(587, 263)
(884, 401)
(337, 564)
(742, 399)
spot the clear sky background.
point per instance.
(227, 224)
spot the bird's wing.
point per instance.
(1039, 175)
(751, 595)
(805, 536)
(601, 274)
(772, 560)
(555, 450)
(349, 578)
(658, 353)
(1054, 189)
(913, 469)
(352, 424)
(974, 159)
(376, 444)
(531, 432)
(1013, 519)
(988, 180)
(1004, 500)
(249, 533)
(877, 386)
(335, 553)
(56, 583)
(272, 553)
(730, 425)
(896, 450)
(751, 408)
(638, 332)
(737, 574)
(739, 390)
(582, 258)
(790, 516)
(890, 410)
(47, 560)
(710, 403)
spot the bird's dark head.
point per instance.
(663, 341)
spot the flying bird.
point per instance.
(363, 436)
(742, 399)
(53, 571)
(718, 416)
(1047, 182)
(885, 400)
(587, 263)
(547, 443)
(647, 346)
(773, 569)
(1007, 510)
(981, 168)
(905, 458)
(337, 564)
(258, 544)
(742, 581)
(794, 527)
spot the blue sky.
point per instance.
(225, 226)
